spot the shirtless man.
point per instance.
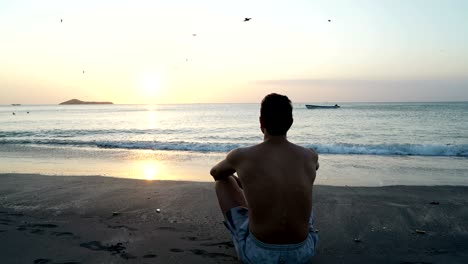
(268, 208)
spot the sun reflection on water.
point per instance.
(150, 171)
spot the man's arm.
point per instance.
(315, 158)
(225, 168)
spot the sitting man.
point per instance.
(268, 208)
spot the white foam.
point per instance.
(338, 148)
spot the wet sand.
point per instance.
(55, 219)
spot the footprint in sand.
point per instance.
(227, 244)
(43, 225)
(42, 261)
(114, 249)
(204, 253)
(62, 234)
(127, 256)
(191, 238)
(37, 231)
(65, 234)
(24, 227)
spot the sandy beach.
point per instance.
(54, 219)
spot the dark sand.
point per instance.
(49, 219)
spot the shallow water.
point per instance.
(359, 144)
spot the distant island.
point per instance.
(77, 102)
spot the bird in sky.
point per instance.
(61, 20)
(83, 71)
(247, 19)
(329, 20)
(194, 35)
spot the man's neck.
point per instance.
(274, 139)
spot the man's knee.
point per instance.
(226, 182)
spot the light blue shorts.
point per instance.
(251, 250)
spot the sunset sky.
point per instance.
(145, 51)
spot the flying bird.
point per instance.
(247, 19)
(61, 20)
(83, 71)
(194, 35)
(329, 20)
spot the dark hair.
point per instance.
(276, 114)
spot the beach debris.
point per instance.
(434, 203)
(357, 240)
(421, 232)
(115, 213)
(158, 210)
(247, 19)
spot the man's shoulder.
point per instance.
(236, 154)
(309, 152)
(242, 153)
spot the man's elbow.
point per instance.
(212, 171)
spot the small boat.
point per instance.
(322, 106)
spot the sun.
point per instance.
(150, 84)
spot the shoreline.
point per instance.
(97, 219)
(336, 170)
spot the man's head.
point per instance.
(276, 114)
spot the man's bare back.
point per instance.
(268, 207)
(277, 178)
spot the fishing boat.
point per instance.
(322, 106)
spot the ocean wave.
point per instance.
(88, 132)
(338, 148)
(393, 149)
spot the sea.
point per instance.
(359, 144)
